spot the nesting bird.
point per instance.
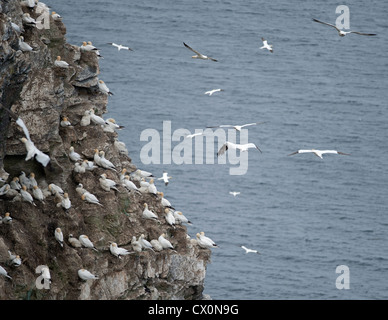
(4, 272)
(56, 16)
(85, 241)
(104, 88)
(37, 193)
(74, 156)
(7, 218)
(59, 236)
(14, 184)
(65, 202)
(117, 251)
(136, 245)
(86, 275)
(14, 259)
(60, 63)
(105, 163)
(88, 47)
(28, 20)
(148, 214)
(169, 217)
(74, 242)
(85, 120)
(107, 184)
(129, 184)
(164, 242)
(145, 243)
(26, 196)
(65, 122)
(91, 198)
(205, 242)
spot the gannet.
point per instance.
(14, 184)
(148, 214)
(88, 47)
(164, 201)
(344, 33)
(85, 241)
(28, 3)
(170, 219)
(32, 180)
(117, 251)
(234, 193)
(74, 242)
(145, 243)
(7, 218)
(32, 151)
(205, 242)
(3, 272)
(80, 189)
(86, 275)
(105, 163)
(180, 218)
(26, 18)
(79, 168)
(129, 184)
(65, 122)
(26, 196)
(210, 92)
(15, 259)
(319, 153)
(119, 46)
(241, 147)
(165, 178)
(266, 45)
(112, 125)
(88, 165)
(60, 63)
(15, 27)
(5, 189)
(103, 88)
(122, 175)
(85, 120)
(65, 202)
(37, 193)
(136, 245)
(56, 16)
(198, 55)
(143, 183)
(59, 236)
(107, 184)
(237, 127)
(156, 245)
(97, 158)
(152, 188)
(55, 189)
(96, 119)
(24, 46)
(74, 156)
(249, 250)
(144, 174)
(91, 198)
(120, 146)
(164, 242)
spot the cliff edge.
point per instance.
(42, 94)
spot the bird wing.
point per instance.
(363, 34)
(212, 59)
(345, 154)
(250, 124)
(188, 47)
(331, 25)
(252, 145)
(294, 153)
(222, 150)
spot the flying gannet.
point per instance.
(266, 45)
(210, 92)
(198, 55)
(249, 250)
(194, 135)
(237, 127)
(241, 147)
(119, 46)
(165, 178)
(342, 33)
(319, 153)
(234, 193)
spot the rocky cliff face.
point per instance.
(41, 94)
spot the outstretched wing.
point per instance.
(328, 24)
(188, 47)
(363, 34)
(222, 150)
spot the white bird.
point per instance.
(119, 46)
(145, 243)
(24, 46)
(344, 33)
(24, 180)
(59, 236)
(85, 120)
(210, 92)
(32, 180)
(5, 189)
(91, 198)
(120, 146)
(266, 45)
(55, 189)
(241, 147)
(86, 275)
(16, 27)
(14, 184)
(104, 88)
(88, 165)
(88, 47)
(7, 218)
(237, 127)
(111, 123)
(79, 168)
(194, 135)
(152, 188)
(165, 178)
(117, 251)
(37, 193)
(319, 153)
(205, 242)
(156, 245)
(169, 216)
(28, 20)
(65, 122)
(143, 174)
(26, 196)
(234, 193)
(60, 63)
(4, 272)
(164, 201)
(15, 259)
(198, 55)
(96, 119)
(136, 245)
(249, 250)
(148, 214)
(180, 218)
(164, 242)
(56, 16)
(85, 241)
(74, 156)
(97, 158)
(28, 3)
(105, 163)
(129, 184)
(34, 151)
(65, 202)
(107, 184)
(74, 242)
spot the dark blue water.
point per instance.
(305, 215)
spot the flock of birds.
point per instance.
(23, 188)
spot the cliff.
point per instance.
(41, 94)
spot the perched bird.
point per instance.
(249, 250)
(14, 184)
(237, 127)
(152, 188)
(156, 245)
(55, 189)
(205, 242)
(170, 219)
(56, 16)
(105, 163)
(85, 120)
(33, 183)
(266, 45)
(165, 178)
(24, 180)
(136, 245)
(65, 122)
(319, 153)
(7, 218)
(15, 27)
(15, 259)
(60, 63)
(26, 196)
(96, 119)
(59, 236)
(88, 47)
(88, 165)
(198, 55)
(143, 174)
(180, 218)
(24, 46)
(3, 272)
(74, 156)
(164, 242)
(148, 214)
(80, 189)
(79, 168)
(85, 241)
(74, 242)
(37, 193)
(97, 158)
(145, 243)
(344, 33)
(104, 88)
(234, 193)
(241, 147)
(119, 46)
(129, 184)
(111, 125)
(117, 251)
(65, 202)
(107, 184)
(210, 92)
(164, 201)
(28, 20)
(91, 198)
(120, 147)
(86, 275)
